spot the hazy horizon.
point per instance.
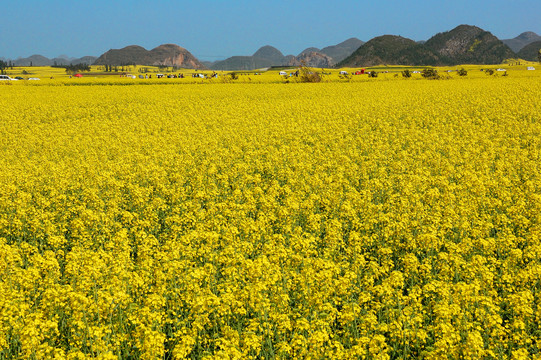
(214, 30)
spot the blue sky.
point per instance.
(213, 30)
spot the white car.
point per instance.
(5, 77)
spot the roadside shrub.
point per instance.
(429, 73)
(406, 73)
(373, 74)
(489, 71)
(307, 74)
(462, 72)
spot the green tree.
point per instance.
(430, 73)
(73, 69)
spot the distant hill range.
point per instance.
(268, 56)
(464, 44)
(522, 40)
(530, 52)
(39, 60)
(165, 55)
(341, 51)
(391, 49)
(467, 44)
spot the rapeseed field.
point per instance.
(347, 220)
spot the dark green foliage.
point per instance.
(75, 68)
(462, 72)
(530, 52)
(463, 45)
(467, 44)
(406, 73)
(392, 50)
(430, 73)
(373, 74)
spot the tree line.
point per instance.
(74, 68)
(4, 66)
(116, 68)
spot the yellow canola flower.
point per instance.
(249, 219)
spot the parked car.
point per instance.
(34, 79)
(19, 78)
(5, 77)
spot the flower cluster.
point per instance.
(375, 220)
